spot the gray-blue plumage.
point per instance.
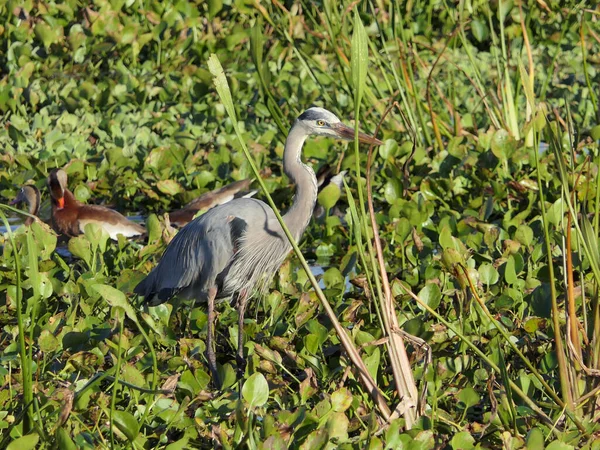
(236, 248)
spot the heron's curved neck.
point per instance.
(299, 214)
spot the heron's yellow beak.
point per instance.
(346, 132)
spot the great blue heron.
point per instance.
(69, 216)
(30, 195)
(236, 248)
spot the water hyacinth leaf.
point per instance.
(510, 273)
(79, 246)
(341, 400)
(556, 212)
(462, 441)
(47, 341)
(337, 426)
(488, 274)
(329, 196)
(126, 423)
(333, 277)
(480, 30)
(28, 442)
(63, 440)
(558, 445)
(468, 397)
(388, 149)
(430, 295)
(169, 187)
(116, 299)
(256, 390)
(524, 235)
(503, 145)
(97, 236)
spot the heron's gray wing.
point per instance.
(195, 257)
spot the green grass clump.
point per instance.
(459, 301)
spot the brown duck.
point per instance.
(30, 195)
(69, 216)
(209, 200)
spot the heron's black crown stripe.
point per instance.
(310, 115)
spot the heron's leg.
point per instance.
(210, 349)
(240, 360)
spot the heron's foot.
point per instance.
(241, 366)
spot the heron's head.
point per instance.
(320, 122)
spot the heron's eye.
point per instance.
(321, 123)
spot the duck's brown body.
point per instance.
(208, 200)
(69, 216)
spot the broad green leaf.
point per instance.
(47, 341)
(480, 30)
(214, 7)
(556, 212)
(329, 196)
(63, 440)
(116, 298)
(558, 445)
(341, 400)
(256, 390)
(337, 426)
(126, 423)
(431, 295)
(469, 397)
(488, 274)
(462, 441)
(169, 187)
(79, 246)
(524, 235)
(27, 442)
(510, 274)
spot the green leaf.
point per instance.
(488, 274)
(359, 58)
(221, 85)
(214, 7)
(337, 426)
(556, 212)
(462, 441)
(116, 299)
(329, 196)
(431, 295)
(256, 390)
(524, 235)
(126, 423)
(79, 246)
(480, 30)
(503, 144)
(469, 397)
(595, 133)
(510, 273)
(169, 187)
(557, 445)
(27, 442)
(63, 440)
(47, 341)
(341, 400)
